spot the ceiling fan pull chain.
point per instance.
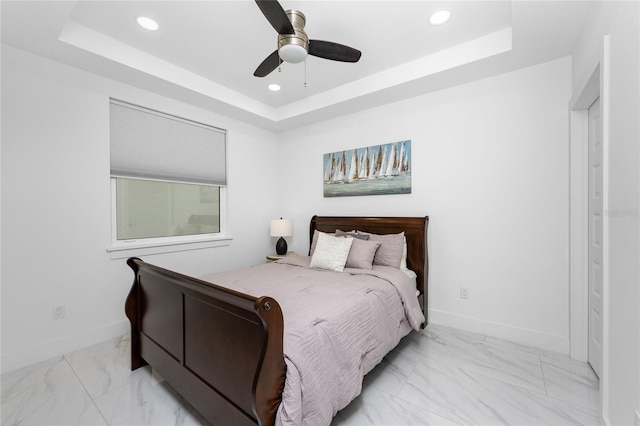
(305, 73)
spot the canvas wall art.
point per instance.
(374, 170)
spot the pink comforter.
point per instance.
(338, 326)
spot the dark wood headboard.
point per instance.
(415, 231)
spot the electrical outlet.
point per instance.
(58, 312)
(464, 293)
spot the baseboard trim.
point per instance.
(43, 352)
(560, 344)
(35, 354)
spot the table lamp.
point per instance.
(281, 228)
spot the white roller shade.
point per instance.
(148, 144)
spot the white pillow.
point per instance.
(331, 252)
(403, 260)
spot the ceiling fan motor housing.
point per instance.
(293, 48)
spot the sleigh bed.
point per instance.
(242, 360)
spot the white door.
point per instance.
(595, 237)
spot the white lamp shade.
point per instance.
(281, 227)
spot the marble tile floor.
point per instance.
(439, 376)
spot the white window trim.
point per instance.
(120, 249)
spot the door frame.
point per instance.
(594, 85)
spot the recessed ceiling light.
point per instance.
(274, 87)
(147, 23)
(440, 17)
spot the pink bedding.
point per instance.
(338, 326)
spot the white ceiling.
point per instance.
(205, 52)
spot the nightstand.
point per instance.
(275, 256)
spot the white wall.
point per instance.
(490, 169)
(621, 22)
(56, 214)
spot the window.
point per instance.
(151, 209)
(168, 179)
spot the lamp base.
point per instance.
(281, 246)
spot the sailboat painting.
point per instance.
(374, 170)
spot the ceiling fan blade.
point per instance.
(333, 51)
(276, 16)
(272, 62)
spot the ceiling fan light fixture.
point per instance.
(440, 17)
(274, 87)
(292, 53)
(147, 23)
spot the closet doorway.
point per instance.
(595, 237)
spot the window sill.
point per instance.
(126, 249)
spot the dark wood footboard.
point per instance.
(220, 349)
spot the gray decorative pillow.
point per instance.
(353, 234)
(390, 251)
(362, 254)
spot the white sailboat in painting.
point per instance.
(392, 164)
(353, 169)
(403, 153)
(404, 159)
(364, 164)
(371, 164)
(330, 167)
(342, 168)
(376, 163)
(385, 163)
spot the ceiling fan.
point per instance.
(293, 43)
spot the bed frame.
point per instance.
(222, 350)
